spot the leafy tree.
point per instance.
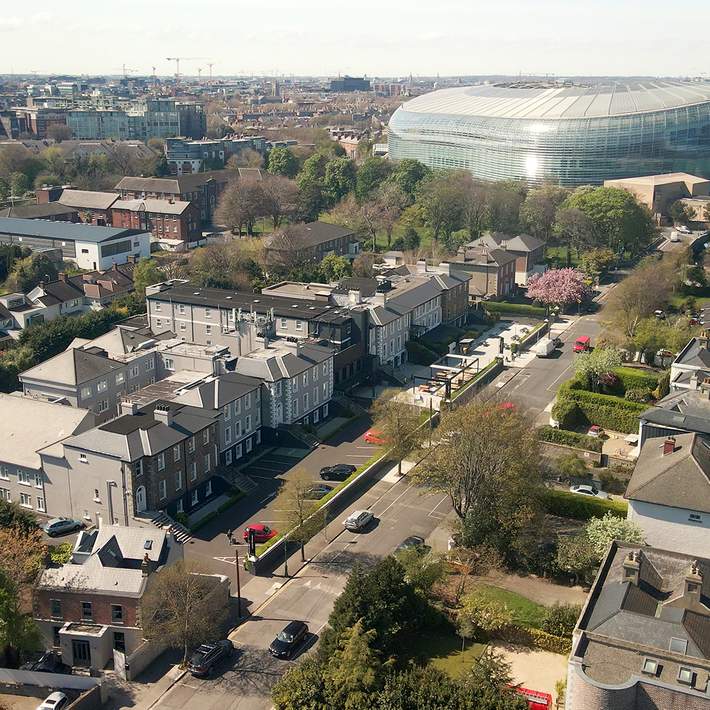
(19, 184)
(335, 267)
(503, 203)
(391, 200)
(370, 176)
(480, 615)
(311, 200)
(422, 568)
(21, 553)
(560, 619)
(242, 203)
(575, 229)
(339, 179)
(5, 190)
(282, 161)
(456, 239)
(489, 682)
(443, 198)
(398, 423)
(680, 213)
(362, 265)
(489, 466)
(179, 608)
(302, 687)
(280, 198)
(602, 531)
(366, 218)
(408, 174)
(696, 276)
(596, 262)
(12, 516)
(18, 634)
(410, 240)
(146, 273)
(313, 169)
(538, 211)
(235, 265)
(28, 272)
(594, 366)
(558, 287)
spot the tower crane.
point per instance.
(177, 61)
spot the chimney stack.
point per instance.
(445, 268)
(421, 266)
(145, 565)
(693, 585)
(631, 568)
(63, 276)
(128, 406)
(163, 414)
(669, 446)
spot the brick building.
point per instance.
(167, 220)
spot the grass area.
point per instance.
(441, 648)
(557, 256)
(525, 612)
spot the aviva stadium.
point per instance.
(568, 133)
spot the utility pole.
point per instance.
(239, 585)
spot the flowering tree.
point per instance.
(558, 287)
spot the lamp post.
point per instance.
(285, 558)
(239, 585)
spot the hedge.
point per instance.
(536, 638)
(523, 309)
(634, 379)
(570, 438)
(566, 504)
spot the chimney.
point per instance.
(693, 585)
(631, 568)
(128, 406)
(421, 266)
(162, 413)
(63, 276)
(145, 565)
(669, 446)
(353, 297)
(379, 299)
(41, 284)
(445, 268)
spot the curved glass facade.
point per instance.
(571, 152)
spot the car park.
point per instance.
(413, 542)
(338, 472)
(262, 532)
(358, 520)
(62, 526)
(318, 491)
(208, 655)
(289, 639)
(587, 490)
(54, 701)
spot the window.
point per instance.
(134, 371)
(237, 429)
(685, 675)
(157, 306)
(325, 410)
(86, 612)
(161, 462)
(169, 364)
(227, 412)
(138, 467)
(56, 640)
(650, 666)
(193, 471)
(5, 495)
(40, 504)
(178, 480)
(325, 368)
(86, 392)
(183, 327)
(206, 436)
(284, 322)
(179, 507)
(695, 518)
(191, 445)
(208, 330)
(295, 407)
(315, 417)
(238, 451)
(228, 457)
(247, 423)
(55, 608)
(103, 406)
(294, 384)
(116, 614)
(208, 489)
(305, 378)
(208, 313)
(102, 386)
(194, 497)
(176, 453)
(248, 445)
(237, 406)
(181, 308)
(24, 477)
(149, 365)
(120, 377)
(257, 416)
(299, 325)
(228, 435)
(163, 489)
(305, 402)
(4, 473)
(207, 463)
(325, 390)
(247, 399)
(25, 500)
(119, 641)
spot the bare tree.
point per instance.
(398, 423)
(179, 607)
(280, 197)
(242, 203)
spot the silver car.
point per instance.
(587, 490)
(358, 520)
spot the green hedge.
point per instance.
(633, 379)
(570, 438)
(573, 505)
(522, 309)
(420, 354)
(536, 638)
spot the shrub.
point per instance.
(537, 639)
(560, 619)
(569, 438)
(572, 505)
(516, 308)
(664, 385)
(637, 395)
(420, 354)
(611, 483)
(567, 413)
(61, 554)
(571, 466)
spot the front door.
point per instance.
(140, 499)
(82, 653)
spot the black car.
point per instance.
(318, 491)
(289, 639)
(208, 655)
(339, 472)
(49, 662)
(413, 542)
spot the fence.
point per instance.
(557, 450)
(128, 667)
(487, 375)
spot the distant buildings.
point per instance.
(186, 156)
(311, 242)
(350, 83)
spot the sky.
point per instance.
(371, 37)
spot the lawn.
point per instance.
(525, 611)
(442, 649)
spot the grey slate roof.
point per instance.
(48, 209)
(680, 479)
(687, 410)
(216, 392)
(72, 367)
(175, 207)
(313, 234)
(278, 363)
(65, 231)
(88, 199)
(694, 354)
(523, 243)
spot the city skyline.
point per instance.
(393, 40)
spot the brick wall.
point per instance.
(72, 610)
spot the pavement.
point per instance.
(534, 669)
(401, 509)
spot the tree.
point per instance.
(12, 516)
(370, 176)
(59, 132)
(5, 191)
(19, 184)
(311, 200)
(503, 203)
(235, 265)
(488, 463)
(560, 619)
(367, 218)
(398, 423)
(302, 687)
(558, 287)
(596, 262)
(178, 608)
(282, 161)
(443, 198)
(408, 174)
(335, 267)
(574, 229)
(481, 615)
(21, 553)
(242, 203)
(538, 211)
(30, 271)
(681, 213)
(422, 569)
(280, 198)
(146, 273)
(490, 683)
(339, 179)
(391, 200)
(619, 221)
(593, 367)
(362, 265)
(18, 634)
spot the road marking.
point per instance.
(225, 560)
(404, 492)
(551, 386)
(437, 505)
(269, 497)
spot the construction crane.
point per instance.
(210, 65)
(125, 70)
(177, 61)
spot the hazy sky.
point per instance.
(374, 37)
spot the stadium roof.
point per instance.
(546, 100)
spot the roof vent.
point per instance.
(229, 298)
(678, 645)
(294, 305)
(256, 300)
(148, 545)
(195, 293)
(311, 308)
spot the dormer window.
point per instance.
(650, 666)
(685, 675)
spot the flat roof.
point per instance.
(64, 231)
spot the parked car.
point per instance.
(262, 532)
(49, 662)
(54, 701)
(587, 490)
(339, 472)
(413, 542)
(62, 526)
(320, 490)
(289, 639)
(595, 430)
(684, 229)
(582, 344)
(372, 436)
(358, 520)
(208, 656)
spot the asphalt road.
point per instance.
(401, 509)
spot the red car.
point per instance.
(372, 436)
(262, 532)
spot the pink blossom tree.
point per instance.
(558, 287)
